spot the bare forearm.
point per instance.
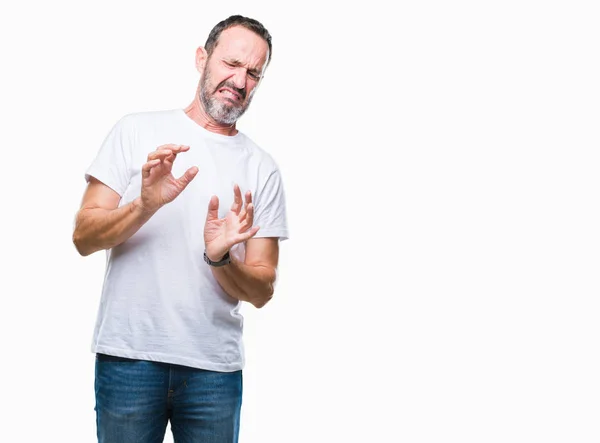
(99, 228)
(254, 284)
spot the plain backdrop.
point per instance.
(440, 161)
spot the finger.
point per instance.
(168, 160)
(175, 148)
(244, 210)
(187, 177)
(237, 204)
(147, 167)
(213, 209)
(171, 158)
(249, 219)
(248, 234)
(243, 214)
(164, 150)
(250, 214)
(161, 155)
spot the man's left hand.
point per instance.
(220, 234)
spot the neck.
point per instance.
(196, 112)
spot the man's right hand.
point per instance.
(159, 187)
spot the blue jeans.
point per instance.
(135, 399)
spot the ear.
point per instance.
(201, 56)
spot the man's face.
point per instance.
(232, 73)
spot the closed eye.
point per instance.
(254, 75)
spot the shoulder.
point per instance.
(140, 119)
(137, 126)
(260, 155)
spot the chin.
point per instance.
(227, 114)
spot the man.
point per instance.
(168, 338)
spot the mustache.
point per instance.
(227, 84)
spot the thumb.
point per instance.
(213, 209)
(187, 177)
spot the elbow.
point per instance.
(259, 303)
(80, 246)
(83, 239)
(265, 296)
(77, 238)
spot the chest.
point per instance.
(220, 167)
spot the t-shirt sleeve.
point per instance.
(112, 163)
(270, 211)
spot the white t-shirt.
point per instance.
(159, 300)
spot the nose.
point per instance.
(239, 78)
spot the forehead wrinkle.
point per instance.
(247, 46)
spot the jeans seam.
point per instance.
(169, 390)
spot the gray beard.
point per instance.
(220, 112)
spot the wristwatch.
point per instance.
(225, 260)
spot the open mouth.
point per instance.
(231, 95)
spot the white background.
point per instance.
(441, 170)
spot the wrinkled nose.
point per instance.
(239, 78)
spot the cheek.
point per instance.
(215, 77)
(252, 89)
(218, 74)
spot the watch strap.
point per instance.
(224, 261)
